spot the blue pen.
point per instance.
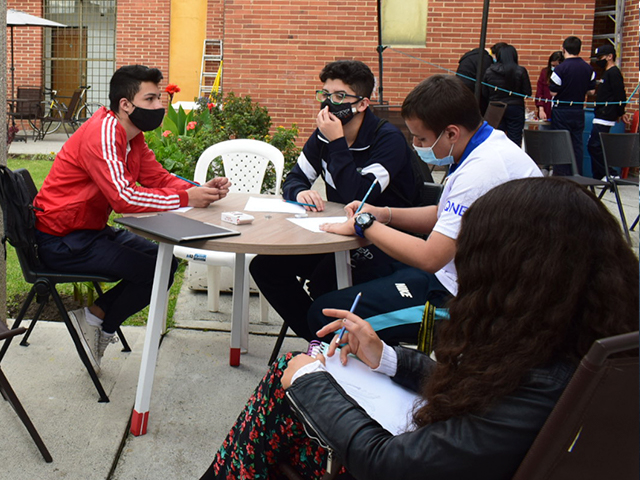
(353, 307)
(186, 180)
(366, 195)
(300, 203)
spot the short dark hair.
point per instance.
(572, 45)
(125, 83)
(353, 73)
(442, 100)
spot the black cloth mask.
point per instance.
(344, 112)
(601, 63)
(146, 119)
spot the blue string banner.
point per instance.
(553, 102)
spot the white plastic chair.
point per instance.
(245, 162)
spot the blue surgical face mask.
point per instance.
(427, 155)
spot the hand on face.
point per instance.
(329, 125)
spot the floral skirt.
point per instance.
(267, 433)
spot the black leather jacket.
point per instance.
(487, 446)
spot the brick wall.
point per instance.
(142, 33)
(275, 50)
(27, 48)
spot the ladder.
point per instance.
(615, 13)
(211, 62)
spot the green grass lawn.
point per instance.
(16, 284)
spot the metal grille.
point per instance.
(83, 53)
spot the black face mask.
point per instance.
(146, 119)
(601, 63)
(344, 111)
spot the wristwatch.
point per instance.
(362, 222)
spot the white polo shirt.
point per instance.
(495, 161)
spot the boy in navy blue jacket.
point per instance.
(570, 82)
(350, 149)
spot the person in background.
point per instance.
(571, 81)
(350, 149)
(468, 69)
(513, 84)
(107, 166)
(543, 94)
(611, 89)
(530, 306)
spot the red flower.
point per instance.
(172, 89)
(253, 435)
(191, 125)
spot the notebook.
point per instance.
(176, 228)
(384, 400)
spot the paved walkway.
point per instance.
(196, 395)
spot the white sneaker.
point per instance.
(102, 342)
(88, 334)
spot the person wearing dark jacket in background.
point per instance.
(510, 78)
(571, 81)
(496, 379)
(611, 90)
(468, 69)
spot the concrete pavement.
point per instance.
(196, 398)
(196, 395)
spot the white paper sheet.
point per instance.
(275, 205)
(385, 401)
(313, 223)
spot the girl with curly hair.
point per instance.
(544, 271)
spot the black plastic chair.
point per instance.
(495, 112)
(621, 150)
(9, 395)
(593, 430)
(27, 106)
(44, 283)
(553, 147)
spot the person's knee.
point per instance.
(260, 268)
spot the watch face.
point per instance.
(365, 219)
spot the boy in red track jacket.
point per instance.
(106, 166)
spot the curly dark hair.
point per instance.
(543, 271)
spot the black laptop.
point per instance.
(176, 228)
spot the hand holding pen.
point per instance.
(310, 200)
(362, 340)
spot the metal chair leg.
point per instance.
(10, 395)
(76, 340)
(16, 324)
(278, 345)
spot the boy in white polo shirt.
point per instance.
(447, 128)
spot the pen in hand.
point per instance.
(365, 196)
(186, 180)
(344, 329)
(301, 203)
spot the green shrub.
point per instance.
(181, 139)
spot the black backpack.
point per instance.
(18, 214)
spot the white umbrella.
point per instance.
(16, 18)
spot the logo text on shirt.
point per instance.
(403, 290)
(454, 208)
